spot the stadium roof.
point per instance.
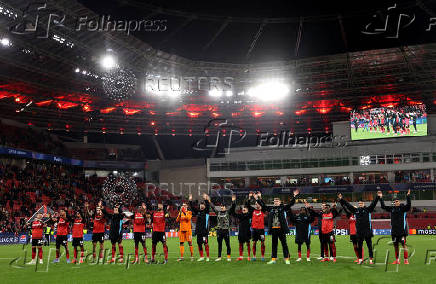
(322, 49)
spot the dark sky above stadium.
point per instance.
(258, 31)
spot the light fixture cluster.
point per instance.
(268, 91)
(5, 42)
(119, 84)
(86, 73)
(119, 188)
(219, 93)
(9, 13)
(62, 40)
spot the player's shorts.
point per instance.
(61, 241)
(98, 237)
(158, 237)
(399, 239)
(258, 235)
(244, 237)
(116, 239)
(77, 242)
(302, 240)
(37, 242)
(139, 237)
(328, 238)
(353, 238)
(185, 236)
(202, 239)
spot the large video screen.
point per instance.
(386, 122)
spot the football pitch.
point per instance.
(422, 250)
(361, 134)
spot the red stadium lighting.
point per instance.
(65, 105)
(86, 108)
(258, 114)
(324, 110)
(107, 110)
(174, 113)
(346, 109)
(193, 114)
(129, 111)
(152, 123)
(44, 103)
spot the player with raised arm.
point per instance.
(139, 223)
(63, 227)
(37, 227)
(278, 226)
(158, 235)
(363, 224)
(326, 233)
(258, 225)
(244, 218)
(202, 225)
(399, 227)
(98, 230)
(352, 230)
(303, 228)
(223, 229)
(185, 232)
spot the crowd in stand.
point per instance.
(25, 138)
(30, 139)
(25, 188)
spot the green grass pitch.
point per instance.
(361, 134)
(344, 271)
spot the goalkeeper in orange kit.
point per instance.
(185, 232)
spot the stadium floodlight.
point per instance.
(269, 91)
(108, 61)
(229, 93)
(173, 94)
(5, 42)
(215, 93)
(77, 70)
(365, 160)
